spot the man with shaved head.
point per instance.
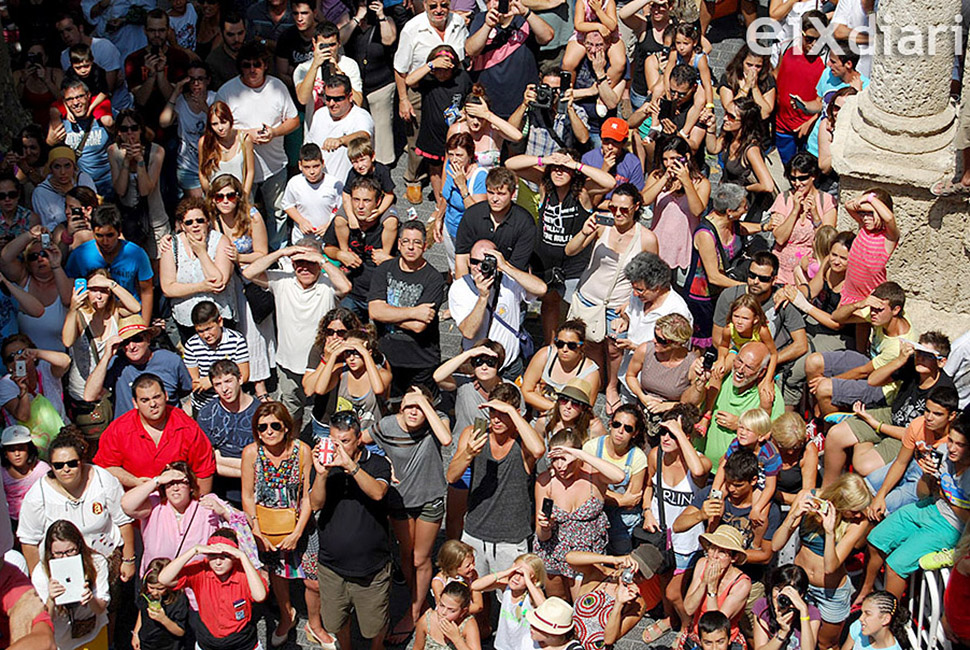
(738, 393)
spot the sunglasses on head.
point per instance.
(130, 128)
(73, 464)
(616, 424)
(572, 345)
(275, 426)
(484, 360)
(345, 418)
(227, 197)
(9, 195)
(33, 257)
(335, 332)
(757, 276)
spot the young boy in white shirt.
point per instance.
(311, 199)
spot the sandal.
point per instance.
(946, 186)
(313, 638)
(656, 631)
(279, 639)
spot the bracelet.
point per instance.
(580, 168)
(528, 12)
(128, 560)
(539, 163)
(356, 469)
(806, 618)
(879, 428)
(600, 80)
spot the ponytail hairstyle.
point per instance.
(886, 603)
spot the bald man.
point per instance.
(734, 397)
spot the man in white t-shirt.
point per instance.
(486, 303)
(303, 296)
(652, 298)
(339, 124)
(106, 56)
(309, 76)
(261, 106)
(311, 198)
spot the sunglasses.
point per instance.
(335, 98)
(192, 222)
(659, 340)
(678, 94)
(572, 345)
(33, 257)
(625, 210)
(131, 128)
(808, 38)
(484, 360)
(757, 276)
(262, 427)
(73, 464)
(439, 5)
(804, 177)
(731, 116)
(227, 197)
(616, 424)
(137, 338)
(15, 355)
(335, 332)
(181, 481)
(9, 195)
(352, 353)
(251, 65)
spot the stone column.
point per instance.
(897, 134)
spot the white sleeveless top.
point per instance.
(188, 270)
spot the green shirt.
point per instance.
(716, 442)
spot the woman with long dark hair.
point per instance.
(742, 159)
(555, 365)
(782, 616)
(568, 193)
(223, 149)
(679, 193)
(749, 75)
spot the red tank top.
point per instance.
(797, 75)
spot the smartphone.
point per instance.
(605, 219)
(666, 109)
(547, 507)
(710, 356)
(565, 80)
(481, 428)
(820, 505)
(503, 6)
(155, 50)
(325, 451)
(717, 494)
(20, 368)
(80, 285)
(798, 103)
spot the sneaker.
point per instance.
(937, 560)
(836, 418)
(414, 194)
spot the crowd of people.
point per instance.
(682, 396)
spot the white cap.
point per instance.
(15, 435)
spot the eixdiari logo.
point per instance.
(907, 40)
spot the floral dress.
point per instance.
(281, 486)
(584, 529)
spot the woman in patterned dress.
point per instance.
(276, 476)
(575, 484)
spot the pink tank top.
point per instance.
(866, 269)
(674, 226)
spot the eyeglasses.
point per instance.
(9, 195)
(335, 332)
(275, 426)
(625, 210)
(33, 257)
(73, 464)
(335, 98)
(484, 360)
(763, 278)
(629, 428)
(69, 553)
(131, 128)
(572, 345)
(193, 222)
(251, 65)
(227, 197)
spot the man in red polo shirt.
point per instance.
(225, 584)
(138, 445)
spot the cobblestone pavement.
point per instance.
(726, 37)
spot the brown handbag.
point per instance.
(275, 523)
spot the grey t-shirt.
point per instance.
(782, 322)
(416, 458)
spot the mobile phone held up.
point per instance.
(547, 507)
(503, 6)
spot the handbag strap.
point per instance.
(661, 515)
(188, 528)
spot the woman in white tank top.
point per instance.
(225, 150)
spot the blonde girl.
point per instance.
(456, 563)
(747, 322)
(522, 587)
(799, 456)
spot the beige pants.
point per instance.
(380, 103)
(415, 170)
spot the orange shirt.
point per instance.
(916, 432)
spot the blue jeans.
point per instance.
(905, 491)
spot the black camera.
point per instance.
(544, 96)
(784, 604)
(35, 58)
(488, 266)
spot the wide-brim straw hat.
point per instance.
(725, 537)
(554, 616)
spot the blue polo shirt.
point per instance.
(130, 266)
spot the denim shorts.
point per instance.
(833, 604)
(188, 179)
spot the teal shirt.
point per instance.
(716, 442)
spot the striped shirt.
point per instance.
(199, 354)
(866, 269)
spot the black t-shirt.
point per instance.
(353, 527)
(436, 97)
(514, 237)
(153, 634)
(399, 288)
(559, 221)
(740, 519)
(510, 71)
(380, 173)
(293, 47)
(363, 243)
(910, 401)
(373, 57)
(646, 46)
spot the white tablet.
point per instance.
(69, 571)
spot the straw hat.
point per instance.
(133, 325)
(554, 616)
(578, 390)
(727, 538)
